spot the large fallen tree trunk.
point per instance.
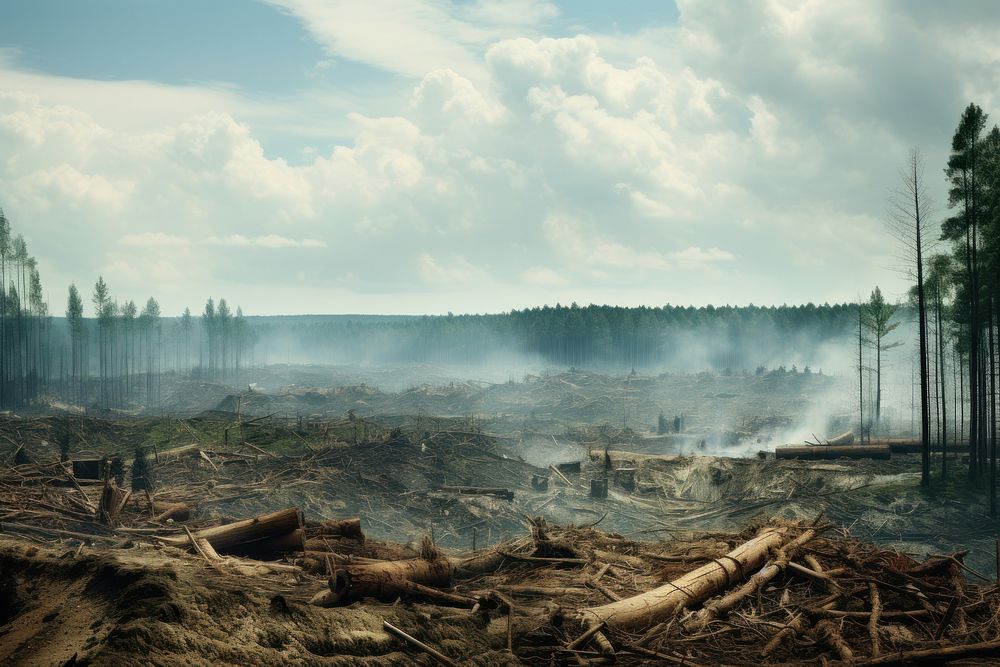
(907, 446)
(618, 456)
(651, 607)
(821, 452)
(175, 511)
(337, 528)
(720, 607)
(842, 439)
(384, 581)
(265, 534)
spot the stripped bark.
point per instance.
(653, 606)
(719, 608)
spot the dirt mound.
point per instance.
(157, 606)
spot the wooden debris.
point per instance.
(821, 452)
(653, 606)
(338, 527)
(384, 581)
(506, 494)
(416, 643)
(275, 532)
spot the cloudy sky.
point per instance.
(338, 156)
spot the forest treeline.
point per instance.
(111, 353)
(116, 356)
(679, 338)
(954, 262)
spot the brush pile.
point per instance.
(779, 593)
(283, 531)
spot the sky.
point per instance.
(385, 156)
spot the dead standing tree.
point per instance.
(910, 208)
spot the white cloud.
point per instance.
(540, 275)
(265, 241)
(451, 271)
(414, 38)
(697, 255)
(591, 251)
(153, 240)
(590, 163)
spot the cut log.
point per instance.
(271, 547)
(112, 502)
(937, 656)
(722, 606)
(337, 527)
(485, 562)
(176, 453)
(907, 446)
(842, 439)
(268, 533)
(506, 494)
(822, 452)
(619, 457)
(175, 511)
(384, 581)
(651, 607)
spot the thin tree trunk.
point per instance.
(925, 452)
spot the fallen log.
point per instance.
(272, 547)
(175, 511)
(722, 606)
(937, 656)
(416, 643)
(176, 453)
(823, 452)
(267, 533)
(384, 581)
(907, 446)
(846, 438)
(337, 527)
(618, 456)
(651, 607)
(506, 494)
(485, 562)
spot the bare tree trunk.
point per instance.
(925, 453)
(651, 607)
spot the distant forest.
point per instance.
(116, 358)
(726, 338)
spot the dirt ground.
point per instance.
(72, 586)
(141, 606)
